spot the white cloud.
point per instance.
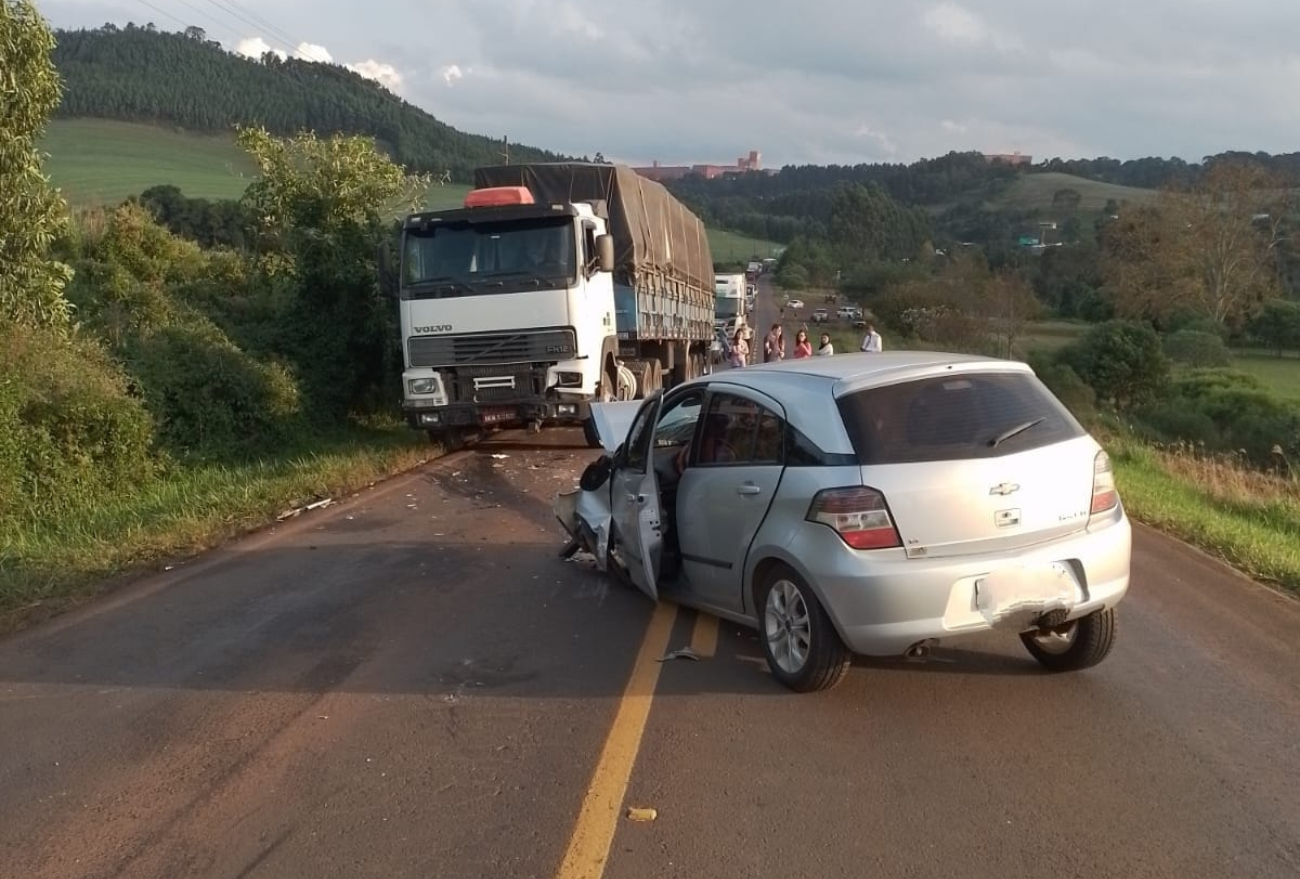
(451, 73)
(381, 72)
(313, 52)
(385, 74)
(879, 137)
(952, 127)
(256, 47)
(955, 24)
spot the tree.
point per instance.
(1121, 360)
(196, 33)
(32, 214)
(1210, 248)
(1067, 200)
(323, 208)
(1278, 325)
(1010, 304)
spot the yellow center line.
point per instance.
(704, 637)
(588, 848)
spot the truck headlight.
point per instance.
(568, 379)
(418, 386)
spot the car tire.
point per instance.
(789, 612)
(1077, 645)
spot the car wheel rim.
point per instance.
(787, 626)
(1058, 640)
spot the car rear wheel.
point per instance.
(803, 650)
(1077, 645)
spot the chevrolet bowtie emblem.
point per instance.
(1004, 488)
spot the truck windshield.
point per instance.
(728, 307)
(470, 259)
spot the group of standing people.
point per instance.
(774, 345)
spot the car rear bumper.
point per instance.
(882, 602)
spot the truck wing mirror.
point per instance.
(605, 252)
(387, 275)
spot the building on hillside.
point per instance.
(744, 165)
(1016, 158)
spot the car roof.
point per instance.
(809, 387)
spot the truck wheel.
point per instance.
(450, 438)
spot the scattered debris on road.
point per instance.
(638, 814)
(683, 653)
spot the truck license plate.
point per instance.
(495, 414)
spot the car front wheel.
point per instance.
(1077, 645)
(803, 650)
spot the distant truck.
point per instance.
(753, 270)
(731, 305)
(557, 284)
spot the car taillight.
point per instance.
(858, 515)
(1104, 494)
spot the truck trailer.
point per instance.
(555, 285)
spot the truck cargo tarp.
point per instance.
(653, 231)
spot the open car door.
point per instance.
(634, 502)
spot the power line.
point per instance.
(164, 12)
(274, 33)
(257, 21)
(210, 17)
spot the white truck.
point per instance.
(730, 312)
(556, 285)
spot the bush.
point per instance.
(1228, 411)
(70, 432)
(1121, 360)
(1197, 348)
(1065, 383)
(209, 398)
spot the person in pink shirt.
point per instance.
(802, 347)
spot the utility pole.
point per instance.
(505, 142)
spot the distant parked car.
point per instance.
(794, 303)
(863, 504)
(820, 316)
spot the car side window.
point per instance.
(637, 454)
(677, 423)
(739, 431)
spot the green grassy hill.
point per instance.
(1034, 191)
(104, 161)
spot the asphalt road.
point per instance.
(413, 684)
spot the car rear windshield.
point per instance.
(955, 417)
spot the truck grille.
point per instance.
(495, 384)
(529, 346)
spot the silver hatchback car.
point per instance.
(864, 503)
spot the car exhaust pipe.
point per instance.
(1052, 619)
(921, 649)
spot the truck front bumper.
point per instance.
(495, 414)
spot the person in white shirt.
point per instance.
(826, 349)
(871, 342)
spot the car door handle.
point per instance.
(748, 488)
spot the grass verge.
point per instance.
(48, 566)
(1251, 520)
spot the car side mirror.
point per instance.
(605, 252)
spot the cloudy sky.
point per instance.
(814, 81)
